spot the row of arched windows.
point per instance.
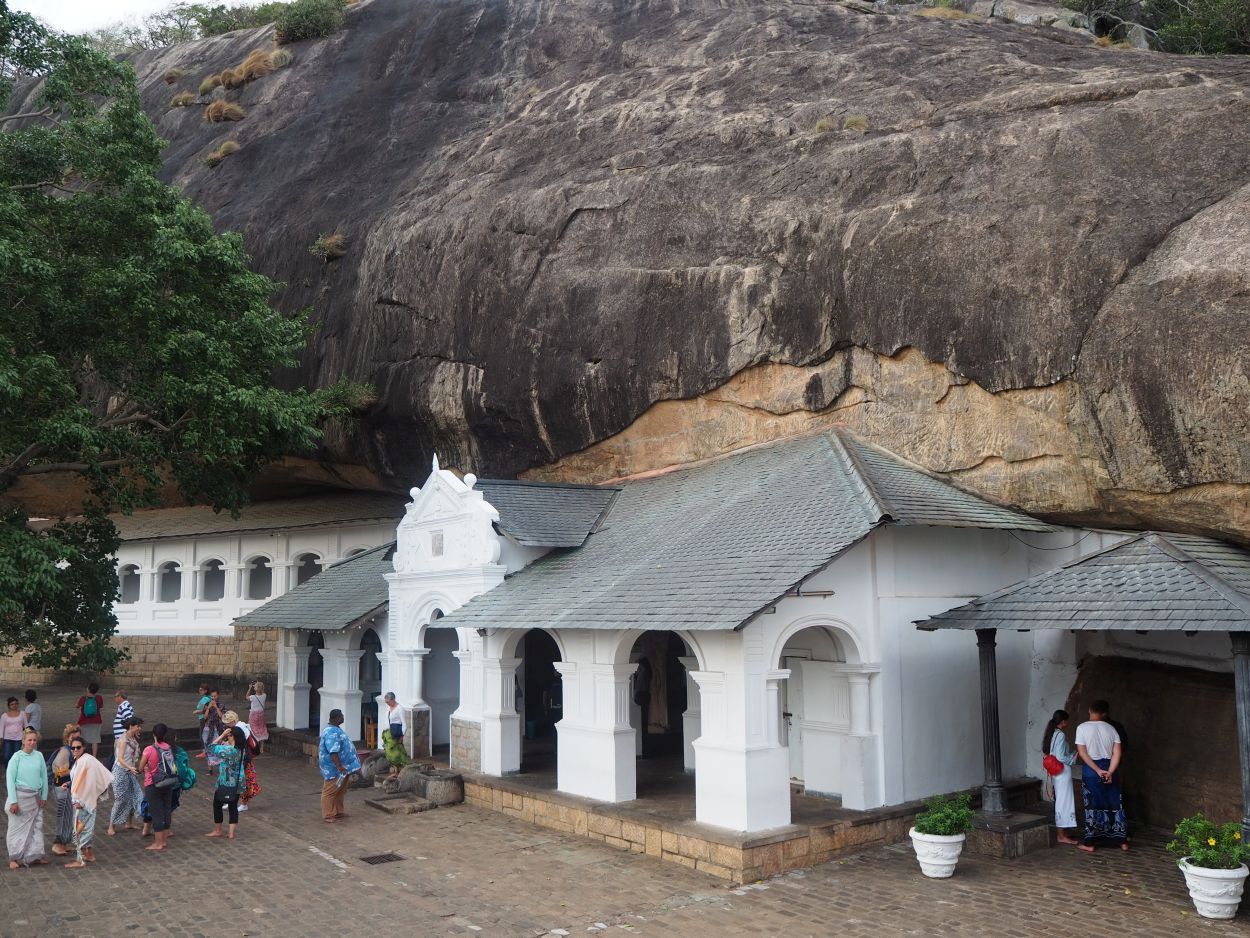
(257, 578)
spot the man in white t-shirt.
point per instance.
(1099, 748)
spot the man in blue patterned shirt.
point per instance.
(337, 759)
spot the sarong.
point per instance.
(64, 817)
(84, 830)
(1104, 812)
(127, 793)
(251, 784)
(25, 834)
(394, 750)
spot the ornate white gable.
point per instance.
(447, 526)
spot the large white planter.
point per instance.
(1216, 893)
(937, 855)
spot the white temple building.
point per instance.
(753, 613)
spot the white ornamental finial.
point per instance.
(435, 462)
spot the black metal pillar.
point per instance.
(993, 794)
(1241, 676)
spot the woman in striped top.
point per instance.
(124, 712)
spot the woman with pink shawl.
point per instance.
(88, 780)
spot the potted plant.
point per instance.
(938, 837)
(1212, 859)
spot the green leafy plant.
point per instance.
(946, 817)
(308, 19)
(1207, 845)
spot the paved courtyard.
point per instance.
(473, 872)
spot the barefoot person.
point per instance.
(1098, 746)
(250, 786)
(230, 748)
(62, 764)
(26, 778)
(157, 764)
(91, 716)
(89, 779)
(1055, 743)
(127, 792)
(256, 715)
(337, 760)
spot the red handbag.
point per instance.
(1052, 765)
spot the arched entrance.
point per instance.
(659, 693)
(370, 677)
(316, 678)
(825, 716)
(440, 681)
(539, 699)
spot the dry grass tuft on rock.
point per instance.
(257, 65)
(173, 75)
(280, 58)
(182, 99)
(220, 111)
(856, 122)
(329, 247)
(226, 149)
(208, 84)
(1107, 42)
(825, 125)
(232, 78)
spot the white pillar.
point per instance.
(595, 742)
(742, 778)
(501, 725)
(293, 686)
(860, 762)
(691, 718)
(341, 690)
(408, 665)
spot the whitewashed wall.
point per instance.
(192, 615)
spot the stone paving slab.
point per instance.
(467, 871)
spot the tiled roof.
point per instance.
(547, 514)
(709, 546)
(1150, 582)
(340, 596)
(279, 515)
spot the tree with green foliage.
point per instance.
(1186, 27)
(137, 350)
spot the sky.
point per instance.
(79, 16)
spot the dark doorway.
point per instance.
(316, 677)
(660, 692)
(540, 700)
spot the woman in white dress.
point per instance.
(1055, 743)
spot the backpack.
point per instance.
(90, 707)
(186, 774)
(165, 775)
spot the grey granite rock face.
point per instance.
(559, 214)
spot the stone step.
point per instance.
(400, 804)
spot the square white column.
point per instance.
(595, 742)
(691, 718)
(501, 725)
(341, 690)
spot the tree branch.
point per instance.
(45, 112)
(73, 466)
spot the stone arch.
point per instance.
(512, 638)
(307, 564)
(355, 551)
(211, 573)
(422, 615)
(168, 581)
(625, 645)
(840, 633)
(129, 583)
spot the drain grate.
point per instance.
(381, 858)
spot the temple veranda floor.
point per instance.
(471, 871)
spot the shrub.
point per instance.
(226, 149)
(182, 99)
(280, 58)
(220, 111)
(209, 83)
(1207, 846)
(329, 247)
(946, 817)
(856, 122)
(946, 13)
(308, 19)
(825, 125)
(256, 65)
(173, 75)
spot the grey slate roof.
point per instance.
(278, 515)
(547, 514)
(1150, 582)
(709, 546)
(342, 595)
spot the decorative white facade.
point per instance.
(198, 585)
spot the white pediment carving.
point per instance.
(447, 526)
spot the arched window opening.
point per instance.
(259, 578)
(307, 566)
(168, 583)
(129, 576)
(212, 581)
(354, 551)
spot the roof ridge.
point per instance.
(364, 553)
(1159, 541)
(861, 476)
(595, 486)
